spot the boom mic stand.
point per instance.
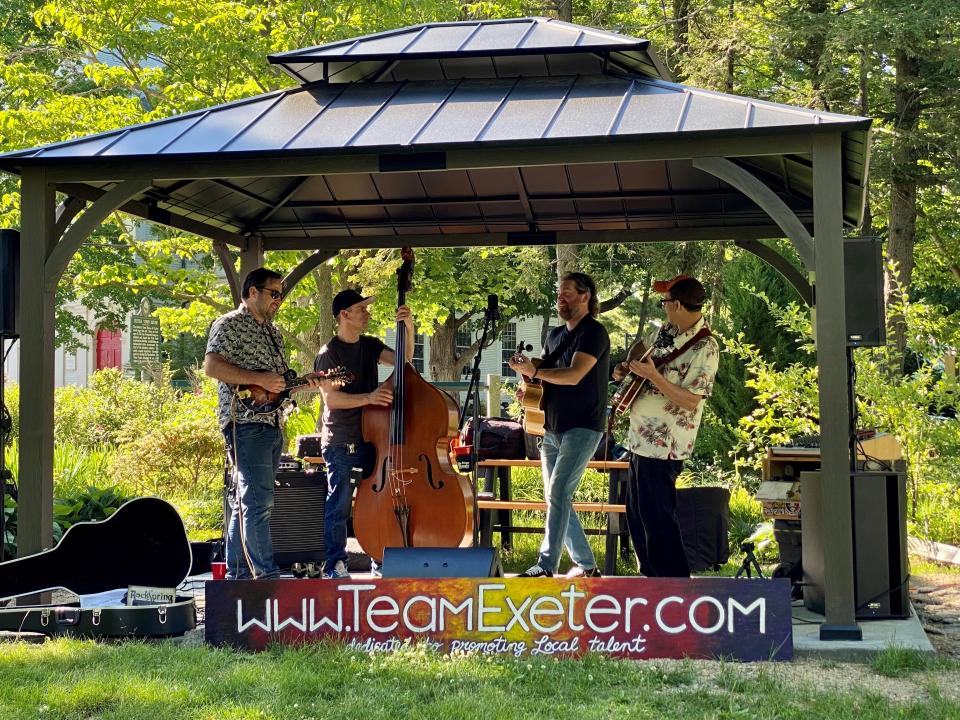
(490, 316)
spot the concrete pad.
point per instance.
(878, 635)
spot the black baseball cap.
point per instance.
(346, 299)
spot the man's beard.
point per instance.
(564, 311)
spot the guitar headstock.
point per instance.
(522, 347)
(339, 375)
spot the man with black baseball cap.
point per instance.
(664, 420)
(341, 440)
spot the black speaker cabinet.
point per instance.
(441, 562)
(9, 281)
(879, 502)
(863, 281)
(296, 524)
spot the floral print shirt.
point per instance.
(659, 428)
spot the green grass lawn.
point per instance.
(82, 679)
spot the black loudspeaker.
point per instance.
(704, 517)
(863, 281)
(9, 281)
(879, 502)
(441, 562)
(296, 523)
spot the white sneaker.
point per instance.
(339, 572)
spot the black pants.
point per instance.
(652, 517)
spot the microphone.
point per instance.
(493, 309)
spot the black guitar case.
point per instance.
(143, 543)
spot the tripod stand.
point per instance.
(749, 563)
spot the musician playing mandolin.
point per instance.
(245, 348)
(664, 420)
(574, 372)
(342, 441)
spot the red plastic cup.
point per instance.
(463, 455)
(219, 570)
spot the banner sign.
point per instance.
(620, 617)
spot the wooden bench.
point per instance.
(500, 508)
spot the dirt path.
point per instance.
(937, 601)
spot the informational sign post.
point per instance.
(637, 618)
(144, 341)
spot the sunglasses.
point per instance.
(275, 294)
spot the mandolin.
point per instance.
(260, 401)
(532, 399)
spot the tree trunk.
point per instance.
(445, 366)
(568, 259)
(903, 191)
(866, 227)
(565, 10)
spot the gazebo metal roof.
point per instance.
(413, 125)
(477, 48)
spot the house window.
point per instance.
(109, 348)
(418, 342)
(464, 341)
(508, 346)
(70, 362)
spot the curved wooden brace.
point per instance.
(229, 269)
(67, 211)
(766, 199)
(80, 230)
(308, 264)
(781, 265)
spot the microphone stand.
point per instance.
(473, 397)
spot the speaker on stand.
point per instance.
(9, 294)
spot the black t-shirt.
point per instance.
(583, 405)
(342, 427)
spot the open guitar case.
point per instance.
(143, 543)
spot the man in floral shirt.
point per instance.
(664, 420)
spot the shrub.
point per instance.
(89, 505)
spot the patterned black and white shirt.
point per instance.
(240, 340)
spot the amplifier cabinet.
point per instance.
(296, 523)
(879, 524)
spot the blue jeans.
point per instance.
(340, 463)
(564, 457)
(256, 457)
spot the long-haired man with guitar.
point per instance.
(342, 440)
(246, 349)
(574, 370)
(677, 376)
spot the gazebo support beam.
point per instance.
(251, 256)
(229, 269)
(74, 236)
(765, 198)
(783, 266)
(37, 348)
(549, 237)
(835, 511)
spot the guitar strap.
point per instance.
(671, 356)
(560, 349)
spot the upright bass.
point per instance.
(413, 497)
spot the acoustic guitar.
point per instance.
(531, 402)
(260, 401)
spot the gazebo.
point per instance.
(499, 132)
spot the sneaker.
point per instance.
(578, 571)
(535, 572)
(339, 572)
